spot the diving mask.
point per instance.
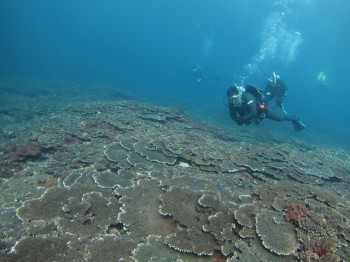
(236, 99)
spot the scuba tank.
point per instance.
(259, 96)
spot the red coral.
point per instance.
(293, 213)
(320, 250)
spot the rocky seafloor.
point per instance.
(128, 181)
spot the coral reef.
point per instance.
(125, 180)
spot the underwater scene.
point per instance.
(174, 130)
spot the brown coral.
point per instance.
(277, 235)
(245, 215)
(29, 150)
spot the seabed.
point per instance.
(122, 180)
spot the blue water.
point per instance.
(149, 48)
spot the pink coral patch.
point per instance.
(293, 213)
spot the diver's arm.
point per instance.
(234, 115)
(252, 114)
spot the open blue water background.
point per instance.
(149, 48)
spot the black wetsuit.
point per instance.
(277, 91)
(250, 112)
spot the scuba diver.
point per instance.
(322, 80)
(277, 90)
(247, 105)
(201, 76)
(198, 74)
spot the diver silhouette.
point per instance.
(276, 90)
(201, 76)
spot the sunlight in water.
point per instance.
(279, 42)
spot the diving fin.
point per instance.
(298, 125)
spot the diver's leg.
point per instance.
(297, 124)
(279, 117)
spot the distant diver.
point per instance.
(198, 74)
(201, 76)
(247, 106)
(322, 80)
(276, 90)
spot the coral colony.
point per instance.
(294, 212)
(127, 181)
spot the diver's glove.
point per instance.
(240, 121)
(298, 125)
(279, 102)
